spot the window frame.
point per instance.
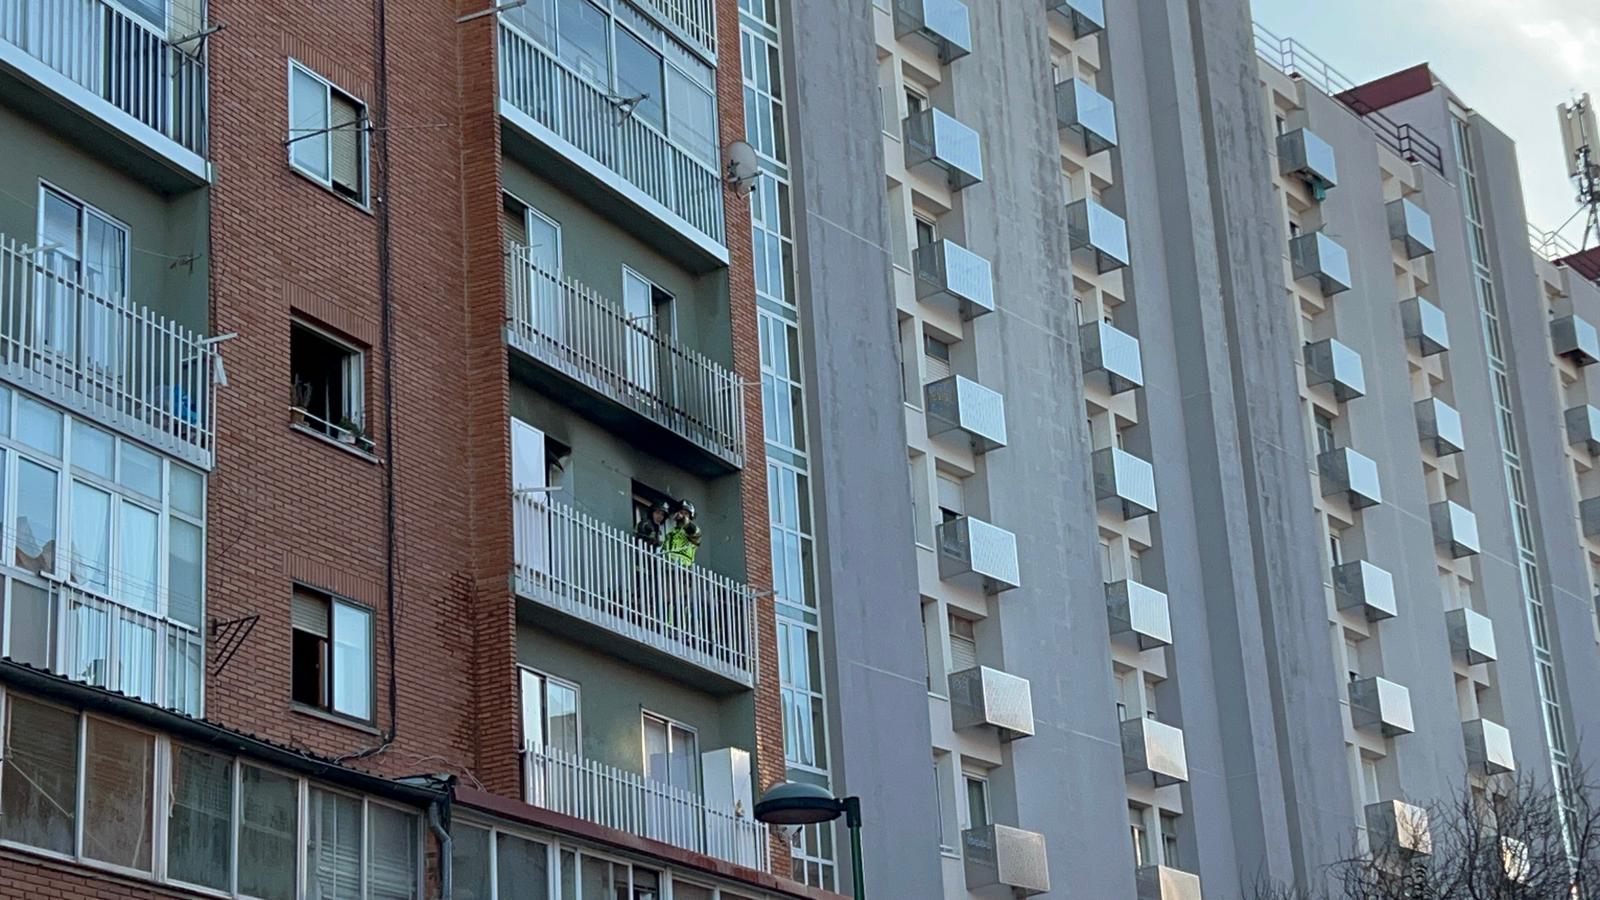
(545, 680)
(363, 122)
(330, 672)
(353, 377)
(969, 781)
(646, 714)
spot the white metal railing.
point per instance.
(119, 58)
(585, 568)
(583, 115)
(128, 650)
(1550, 245)
(696, 19)
(572, 328)
(106, 356)
(569, 784)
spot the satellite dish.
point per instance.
(741, 166)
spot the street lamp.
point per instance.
(796, 803)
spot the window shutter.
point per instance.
(310, 613)
(963, 653)
(344, 118)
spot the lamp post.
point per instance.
(795, 803)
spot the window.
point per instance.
(649, 311)
(915, 102)
(1335, 547)
(1369, 780)
(977, 801)
(671, 753)
(327, 134)
(1352, 660)
(550, 713)
(1169, 841)
(936, 357)
(269, 815)
(521, 866)
(1141, 846)
(800, 692)
(927, 232)
(1324, 430)
(952, 498)
(1107, 573)
(118, 779)
(80, 246)
(963, 644)
(1149, 698)
(333, 839)
(200, 818)
(332, 654)
(39, 775)
(328, 377)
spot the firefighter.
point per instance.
(652, 529)
(683, 538)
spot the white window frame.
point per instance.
(354, 376)
(334, 601)
(363, 120)
(644, 750)
(968, 779)
(545, 679)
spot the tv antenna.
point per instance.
(1580, 140)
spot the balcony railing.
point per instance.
(584, 116)
(583, 335)
(696, 19)
(569, 784)
(589, 570)
(107, 357)
(118, 58)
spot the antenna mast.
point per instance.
(1580, 139)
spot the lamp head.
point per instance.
(796, 803)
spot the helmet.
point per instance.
(686, 506)
(662, 507)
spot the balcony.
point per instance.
(686, 621)
(1471, 636)
(1098, 234)
(569, 784)
(1111, 357)
(959, 404)
(1589, 516)
(1455, 528)
(1425, 326)
(1488, 747)
(107, 358)
(1166, 883)
(1334, 364)
(1411, 226)
(989, 698)
(1001, 861)
(1395, 827)
(1304, 155)
(935, 140)
(1514, 861)
(1320, 258)
(945, 24)
(1575, 340)
(1087, 113)
(948, 272)
(1378, 704)
(1085, 17)
(1155, 749)
(564, 125)
(979, 555)
(1583, 428)
(126, 86)
(1124, 480)
(1344, 472)
(621, 372)
(1362, 587)
(1139, 612)
(1439, 427)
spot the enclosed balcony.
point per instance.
(132, 95)
(936, 140)
(105, 356)
(620, 371)
(1154, 749)
(1425, 326)
(1471, 636)
(572, 785)
(1439, 427)
(1336, 365)
(667, 190)
(1088, 114)
(982, 697)
(1320, 258)
(1364, 588)
(1380, 705)
(1589, 516)
(1488, 747)
(979, 555)
(945, 24)
(1304, 155)
(1455, 528)
(1410, 226)
(1166, 883)
(1124, 480)
(1397, 827)
(1085, 17)
(1097, 234)
(1350, 475)
(950, 273)
(1005, 862)
(959, 406)
(1575, 340)
(1111, 357)
(1138, 612)
(607, 589)
(1583, 428)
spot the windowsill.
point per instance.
(923, 545)
(351, 449)
(360, 207)
(335, 718)
(949, 852)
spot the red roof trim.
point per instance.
(1389, 90)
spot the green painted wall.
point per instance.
(161, 228)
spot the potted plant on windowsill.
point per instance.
(351, 432)
(299, 401)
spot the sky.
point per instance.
(1512, 61)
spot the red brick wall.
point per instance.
(25, 877)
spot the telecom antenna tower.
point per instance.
(1580, 140)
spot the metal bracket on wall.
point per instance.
(230, 636)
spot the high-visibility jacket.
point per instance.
(682, 543)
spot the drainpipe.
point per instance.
(439, 824)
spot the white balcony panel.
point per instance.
(1583, 428)
(1155, 749)
(1589, 516)
(1124, 480)
(1380, 705)
(1322, 259)
(1088, 114)
(959, 404)
(945, 24)
(1471, 636)
(1111, 357)
(1086, 17)
(1488, 747)
(1363, 587)
(1439, 427)
(1425, 326)
(1303, 154)
(1397, 827)
(989, 698)
(1351, 475)
(1337, 365)
(977, 554)
(1410, 226)
(1455, 528)
(1573, 338)
(1098, 234)
(1005, 862)
(949, 272)
(1139, 612)
(937, 140)
(1166, 883)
